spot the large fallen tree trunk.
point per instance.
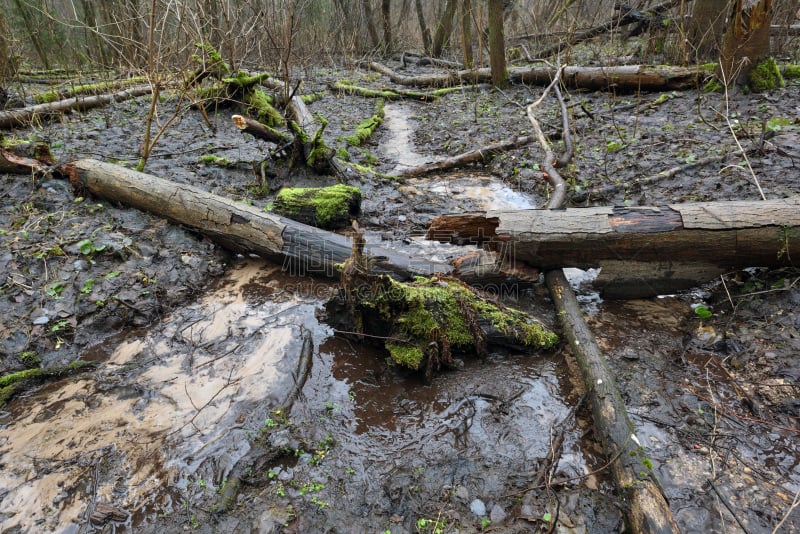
(237, 226)
(643, 251)
(624, 78)
(644, 503)
(23, 116)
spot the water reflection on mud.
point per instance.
(169, 406)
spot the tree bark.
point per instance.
(443, 29)
(22, 116)
(466, 33)
(706, 27)
(647, 510)
(642, 251)
(373, 33)
(423, 27)
(621, 78)
(747, 39)
(302, 249)
(386, 20)
(497, 45)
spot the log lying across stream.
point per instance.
(237, 226)
(643, 251)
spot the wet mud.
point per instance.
(221, 400)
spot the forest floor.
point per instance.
(194, 349)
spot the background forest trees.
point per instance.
(276, 34)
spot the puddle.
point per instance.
(169, 407)
(477, 193)
(467, 192)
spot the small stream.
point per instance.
(177, 409)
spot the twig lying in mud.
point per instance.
(301, 371)
(724, 501)
(229, 382)
(795, 503)
(613, 189)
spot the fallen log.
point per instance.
(645, 505)
(472, 156)
(302, 249)
(642, 251)
(24, 116)
(621, 78)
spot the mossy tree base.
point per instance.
(422, 323)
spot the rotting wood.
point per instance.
(620, 78)
(300, 248)
(26, 157)
(27, 115)
(261, 131)
(642, 251)
(646, 508)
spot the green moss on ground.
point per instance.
(765, 76)
(210, 159)
(791, 72)
(12, 383)
(325, 207)
(713, 85)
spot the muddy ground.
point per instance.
(189, 418)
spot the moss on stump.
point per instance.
(765, 76)
(325, 207)
(423, 322)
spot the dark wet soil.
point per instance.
(196, 349)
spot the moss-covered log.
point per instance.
(13, 383)
(324, 207)
(422, 323)
(85, 89)
(367, 127)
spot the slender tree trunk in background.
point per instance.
(705, 29)
(746, 40)
(423, 28)
(466, 33)
(443, 29)
(386, 19)
(90, 20)
(6, 61)
(497, 47)
(373, 33)
(33, 33)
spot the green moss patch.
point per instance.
(324, 207)
(765, 76)
(425, 321)
(14, 382)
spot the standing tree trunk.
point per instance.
(6, 61)
(423, 28)
(443, 29)
(705, 29)
(373, 33)
(497, 47)
(386, 19)
(466, 33)
(746, 40)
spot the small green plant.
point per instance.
(55, 290)
(702, 312)
(88, 248)
(194, 523)
(485, 522)
(280, 489)
(202, 483)
(614, 145)
(435, 526)
(88, 285)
